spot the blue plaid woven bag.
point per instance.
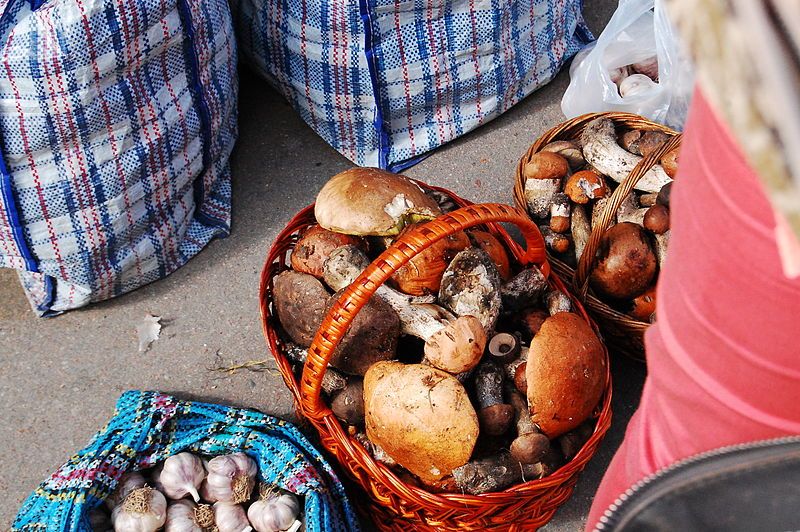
(148, 427)
(385, 81)
(117, 118)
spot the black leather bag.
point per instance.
(753, 487)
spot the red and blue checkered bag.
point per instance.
(148, 427)
(385, 81)
(117, 118)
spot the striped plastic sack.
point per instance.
(148, 427)
(117, 118)
(385, 81)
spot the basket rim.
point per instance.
(569, 130)
(333, 434)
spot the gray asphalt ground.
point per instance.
(60, 377)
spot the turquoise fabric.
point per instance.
(148, 427)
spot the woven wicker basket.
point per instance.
(623, 333)
(397, 505)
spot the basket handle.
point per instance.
(580, 281)
(411, 243)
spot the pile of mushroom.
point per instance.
(567, 188)
(455, 374)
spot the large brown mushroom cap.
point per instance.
(370, 201)
(421, 416)
(565, 372)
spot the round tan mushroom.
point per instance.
(421, 416)
(457, 347)
(565, 373)
(370, 201)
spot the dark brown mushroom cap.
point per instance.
(370, 201)
(300, 303)
(496, 419)
(372, 337)
(530, 448)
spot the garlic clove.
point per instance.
(126, 484)
(231, 517)
(274, 511)
(180, 475)
(143, 510)
(231, 478)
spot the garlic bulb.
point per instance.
(143, 510)
(126, 484)
(618, 74)
(273, 511)
(231, 517)
(186, 516)
(648, 67)
(231, 478)
(635, 84)
(180, 475)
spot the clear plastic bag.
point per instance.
(638, 30)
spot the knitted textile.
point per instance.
(148, 427)
(117, 118)
(384, 81)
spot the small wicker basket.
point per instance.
(623, 333)
(395, 504)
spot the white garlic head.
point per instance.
(180, 475)
(231, 517)
(126, 484)
(143, 510)
(186, 516)
(273, 511)
(231, 478)
(635, 84)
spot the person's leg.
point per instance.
(723, 358)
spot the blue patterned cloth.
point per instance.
(117, 118)
(148, 427)
(385, 81)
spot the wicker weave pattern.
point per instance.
(397, 505)
(623, 333)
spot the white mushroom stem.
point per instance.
(539, 195)
(420, 320)
(598, 209)
(601, 150)
(628, 206)
(332, 380)
(636, 216)
(557, 301)
(662, 241)
(580, 228)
